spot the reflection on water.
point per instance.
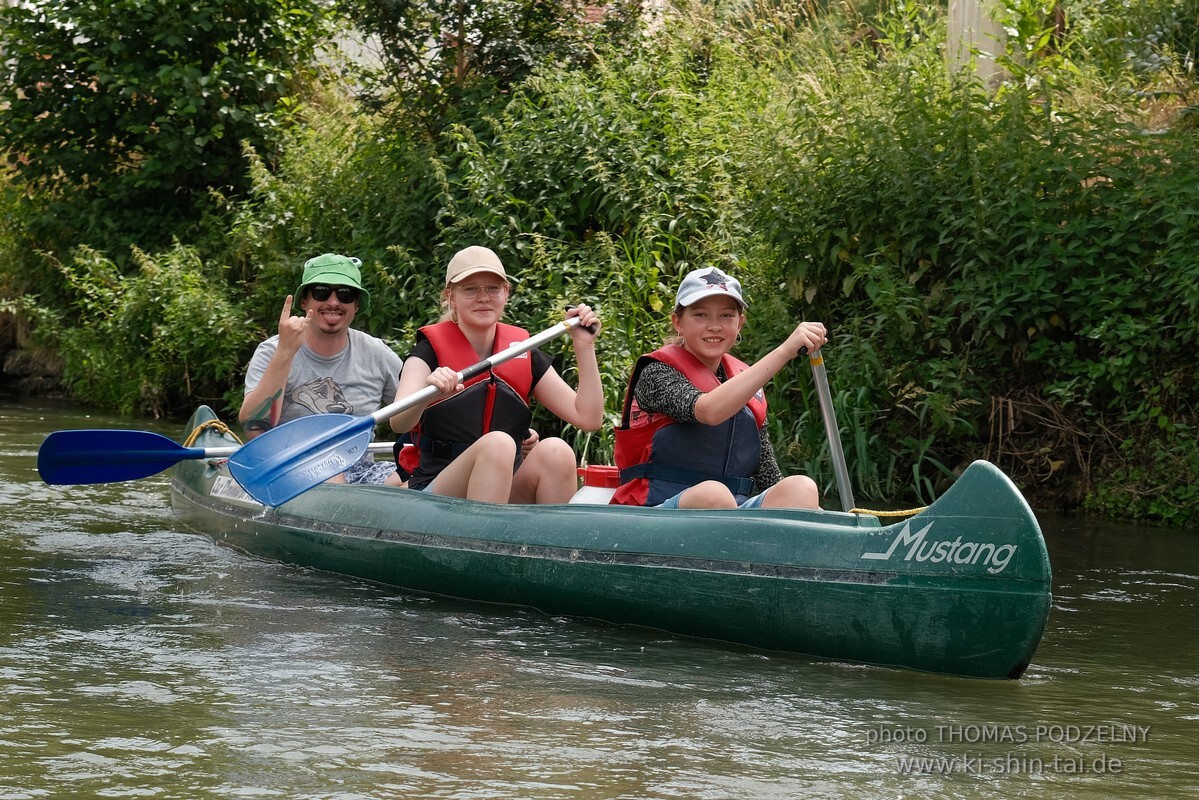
(139, 660)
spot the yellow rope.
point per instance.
(216, 425)
(904, 513)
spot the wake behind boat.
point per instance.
(963, 587)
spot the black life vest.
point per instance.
(494, 400)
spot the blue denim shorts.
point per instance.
(753, 502)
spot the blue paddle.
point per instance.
(101, 455)
(291, 459)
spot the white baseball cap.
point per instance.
(706, 282)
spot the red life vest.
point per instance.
(493, 400)
(659, 457)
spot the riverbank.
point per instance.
(1059, 465)
(983, 258)
(24, 368)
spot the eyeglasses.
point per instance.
(492, 289)
(345, 294)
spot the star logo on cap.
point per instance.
(717, 278)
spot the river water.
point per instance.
(138, 659)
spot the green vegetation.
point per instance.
(123, 119)
(1009, 272)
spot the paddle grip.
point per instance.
(589, 328)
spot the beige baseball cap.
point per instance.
(473, 260)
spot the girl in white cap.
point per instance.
(693, 428)
(468, 437)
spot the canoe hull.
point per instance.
(963, 588)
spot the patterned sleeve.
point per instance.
(768, 473)
(662, 389)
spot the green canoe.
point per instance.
(961, 588)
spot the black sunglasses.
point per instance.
(345, 294)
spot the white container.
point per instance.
(596, 495)
(599, 484)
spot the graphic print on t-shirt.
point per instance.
(321, 396)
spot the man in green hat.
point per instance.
(318, 364)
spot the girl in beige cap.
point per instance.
(468, 437)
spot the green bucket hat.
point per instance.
(334, 270)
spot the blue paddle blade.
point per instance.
(289, 460)
(107, 456)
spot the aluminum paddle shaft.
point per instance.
(831, 430)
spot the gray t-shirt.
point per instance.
(357, 381)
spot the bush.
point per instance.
(154, 343)
(124, 121)
(1007, 273)
(973, 246)
(441, 61)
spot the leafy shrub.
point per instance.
(1007, 272)
(439, 61)
(981, 244)
(1153, 481)
(148, 340)
(124, 121)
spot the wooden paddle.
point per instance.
(102, 455)
(831, 430)
(291, 459)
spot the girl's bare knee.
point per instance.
(794, 491)
(709, 494)
(495, 447)
(555, 453)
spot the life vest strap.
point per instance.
(742, 486)
(439, 448)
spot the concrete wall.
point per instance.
(972, 26)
